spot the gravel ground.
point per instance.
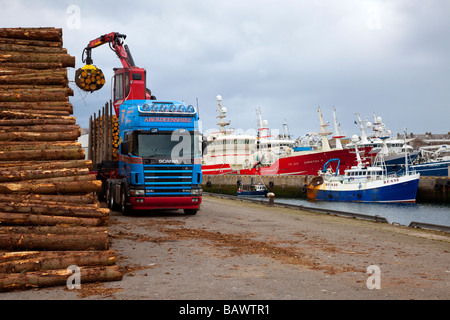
(233, 250)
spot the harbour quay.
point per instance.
(430, 190)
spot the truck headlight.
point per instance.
(196, 192)
(137, 192)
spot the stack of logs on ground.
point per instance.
(49, 217)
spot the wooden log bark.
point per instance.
(43, 145)
(38, 122)
(57, 210)
(84, 199)
(65, 60)
(63, 229)
(32, 73)
(18, 115)
(34, 81)
(37, 113)
(52, 188)
(43, 90)
(21, 219)
(32, 65)
(50, 154)
(22, 47)
(44, 165)
(97, 241)
(49, 278)
(34, 43)
(40, 128)
(31, 95)
(16, 262)
(47, 34)
(23, 175)
(36, 105)
(41, 136)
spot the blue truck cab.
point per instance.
(159, 157)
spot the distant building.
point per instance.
(427, 139)
(84, 140)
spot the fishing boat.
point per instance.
(309, 160)
(363, 183)
(228, 152)
(382, 142)
(252, 190)
(434, 161)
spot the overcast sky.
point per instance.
(284, 57)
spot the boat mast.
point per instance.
(406, 156)
(323, 133)
(337, 136)
(221, 116)
(363, 132)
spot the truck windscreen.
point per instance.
(179, 144)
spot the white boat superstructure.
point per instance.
(271, 147)
(225, 147)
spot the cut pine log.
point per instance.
(41, 136)
(32, 65)
(49, 154)
(38, 122)
(85, 199)
(40, 89)
(23, 175)
(52, 188)
(32, 95)
(50, 242)
(49, 278)
(46, 34)
(18, 115)
(44, 165)
(25, 48)
(34, 43)
(12, 57)
(40, 128)
(57, 210)
(52, 230)
(31, 145)
(22, 219)
(36, 105)
(16, 262)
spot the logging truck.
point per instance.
(157, 162)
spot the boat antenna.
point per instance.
(406, 155)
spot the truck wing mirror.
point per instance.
(124, 148)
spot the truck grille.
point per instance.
(168, 180)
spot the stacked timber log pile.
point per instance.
(104, 135)
(49, 216)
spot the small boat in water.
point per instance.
(363, 183)
(252, 190)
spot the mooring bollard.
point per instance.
(271, 196)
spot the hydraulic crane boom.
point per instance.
(129, 81)
(116, 43)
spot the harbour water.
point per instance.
(401, 213)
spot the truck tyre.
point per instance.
(108, 196)
(190, 212)
(124, 208)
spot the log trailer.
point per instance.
(159, 161)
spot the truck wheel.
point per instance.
(108, 196)
(190, 212)
(124, 208)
